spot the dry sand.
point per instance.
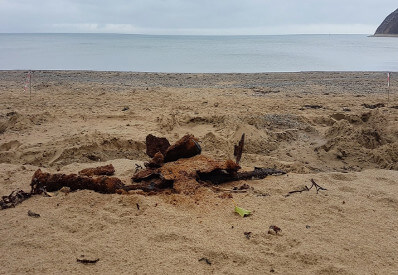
(313, 125)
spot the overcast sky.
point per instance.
(194, 17)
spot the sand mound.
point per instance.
(364, 140)
(367, 140)
(14, 121)
(77, 148)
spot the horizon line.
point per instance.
(179, 34)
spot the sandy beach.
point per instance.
(338, 128)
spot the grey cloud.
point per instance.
(150, 15)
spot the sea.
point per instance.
(198, 54)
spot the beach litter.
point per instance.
(206, 260)
(242, 212)
(178, 168)
(86, 261)
(33, 214)
(16, 197)
(274, 230)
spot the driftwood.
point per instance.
(306, 188)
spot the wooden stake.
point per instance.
(30, 85)
(388, 88)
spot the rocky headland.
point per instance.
(389, 27)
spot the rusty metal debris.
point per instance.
(45, 182)
(156, 161)
(54, 182)
(186, 147)
(181, 169)
(218, 177)
(186, 174)
(178, 168)
(238, 149)
(160, 151)
(183, 175)
(156, 144)
(107, 170)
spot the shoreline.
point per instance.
(384, 35)
(216, 80)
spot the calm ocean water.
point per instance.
(195, 54)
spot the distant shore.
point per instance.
(384, 35)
